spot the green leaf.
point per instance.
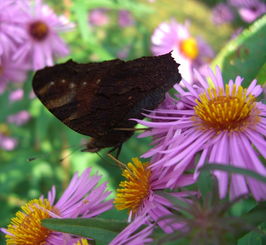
(245, 55)
(235, 170)
(101, 230)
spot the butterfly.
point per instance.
(97, 99)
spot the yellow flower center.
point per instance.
(189, 48)
(136, 188)
(82, 241)
(226, 110)
(38, 30)
(26, 228)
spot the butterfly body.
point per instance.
(96, 99)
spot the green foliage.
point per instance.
(245, 55)
(100, 230)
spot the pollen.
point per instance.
(135, 189)
(231, 110)
(82, 241)
(189, 48)
(38, 30)
(26, 228)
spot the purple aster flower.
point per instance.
(7, 143)
(11, 33)
(82, 198)
(249, 10)
(222, 13)
(19, 118)
(211, 123)
(42, 42)
(98, 17)
(11, 71)
(188, 51)
(129, 236)
(125, 18)
(140, 194)
(16, 95)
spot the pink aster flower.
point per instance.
(11, 32)
(211, 123)
(98, 17)
(11, 71)
(19, 118)
(82, 198)
(129, 236)
(222, 13)
(7, 143)
(125, 18)
(42, 42)
(188, 51)
(16, 95)
(249, 10)
(140, 194)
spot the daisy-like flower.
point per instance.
(98, 17)
(7, 143)
(11, 71)
(188, 51)
(42, 42)
(125, 18)
(11, 32)
(222, 13)
(214, 123)
(16, 95)
(249, 10)
(82, 198)
(140, 194)
(19, 118)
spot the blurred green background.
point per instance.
(54, 147)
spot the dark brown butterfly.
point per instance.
(98, 99)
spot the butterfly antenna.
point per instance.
(69, 154)
(120, 164)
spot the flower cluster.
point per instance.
(248, 10)
(100, 17)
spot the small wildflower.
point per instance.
(125, 18)
(19, 118)
(98, 17)
(249, 10)
(222, 13)
(11, 71)
(16, 95)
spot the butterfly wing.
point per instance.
(95, 98)
(68, 91)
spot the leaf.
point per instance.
(235, 170)
(101, 230)
(245, 55)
